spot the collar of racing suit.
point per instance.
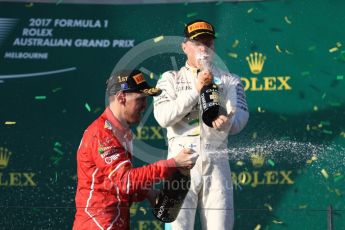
(115, 123)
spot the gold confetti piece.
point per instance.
(233, 55)
(324, 173)
(302, 206)
(311, 48)
(31, 4)
(338, 44)
(314, 157)
(151, 75)
(158, 39)
(250, 10)
(143, 210)
(278, 49)
(192, 14)
(235, 44)
(288, 52)
(269, 207)
(338, 192)
(261, 110)
(277, 222)
(287, 20)
(334, 49)
(10, 122)
(308, 127)
(315, 108)
(239, 163)
(258, 227)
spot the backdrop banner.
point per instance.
(287, 164)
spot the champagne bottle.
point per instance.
(209, 95)
(171, 196)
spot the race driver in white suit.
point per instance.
(177, 108)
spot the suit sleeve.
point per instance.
(237, 104)
(170, 107)
(115, 163)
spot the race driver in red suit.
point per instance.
(107, 181)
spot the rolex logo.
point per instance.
(256, 62)
(258, 159)
(4, 157)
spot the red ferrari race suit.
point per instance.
(107, 181)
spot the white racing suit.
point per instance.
(178, 109)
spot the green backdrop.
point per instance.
(287, 164)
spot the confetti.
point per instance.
(257, 227)
(315, 108)
(303, 206)
(56, 90)
(233, 55)
(261, 110)
(40, 97)
(278, 49)
(235, 43)
(338, 192)
(338, 178)
(152, 76)
(250, 10)
(10, 122)
(327, 131)
(334, 49)
(338, 44)
(312, 48)
(269, 207)
(143, 210)
(335, 104)
(58, 151)
(239, 163)
(305, 73)
(342, 134)
(287, 20)
(31, 4)
(288, 52)
(56, 176)
(324, 173)
(277, 222)
(255, 135)
(97, 110)
(340, 77)
(57, 144)
(270, 162)
(192, 14)
(308, 127)
(87, 107)
(158, 39)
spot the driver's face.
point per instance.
(201, 45)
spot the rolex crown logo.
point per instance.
(256, 62)
(4, 157)
(258, 159)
